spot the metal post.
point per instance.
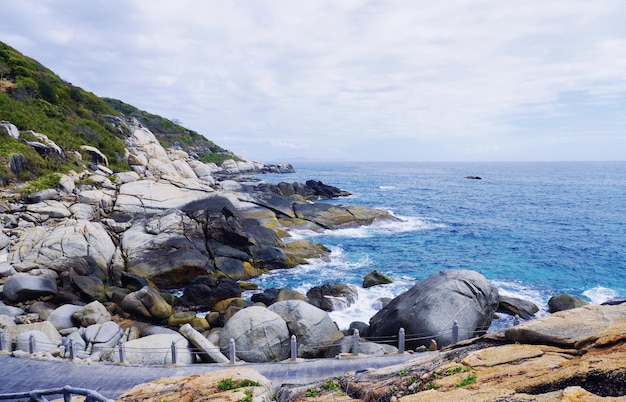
(173, 352)
(355, 346)
(2, 339)
(120, 349)
(70, 346)
(401, 341)
(31, 344)
(231, 350)
(455, 332)
(294, 348)
(516, 320)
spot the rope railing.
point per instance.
(231, 351)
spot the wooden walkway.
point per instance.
(111, 380)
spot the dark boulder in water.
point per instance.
(565, 302)
(428, 310)
(514, 306)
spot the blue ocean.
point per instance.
(535, 229)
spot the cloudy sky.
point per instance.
(414, 80)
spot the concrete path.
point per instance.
(27, 374)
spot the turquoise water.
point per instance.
(534, 229)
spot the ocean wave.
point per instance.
(600, 294)
(384, 228)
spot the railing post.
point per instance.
(516, 320)
(120, 349)
(67, 393)
(2, 346)
(70, 346)
(455, 332)
(355, 346)
(31, 344)
(401, 341)
(173, 352)
(231, 350)
(294, 348)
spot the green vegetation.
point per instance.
(171, 134)
(330, 385)
(34, 98)
(228, 384)
(404, 372)
(248, 398)
(312, 392)
(470, 379)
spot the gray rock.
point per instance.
(332, 296)
(4, 241)
(78, 343)
(105, 335)
(10, 129)
(429, 308)
(315, 331)
(346, 345)
(6, 269)
(92, 313)
(22, 288)
(41, 342)
(514, 306)
(565, 302)
(62, 316)
(153, 350)
(375, 278)
(55, 243)
(43, 195)
(10, 310)
(165, 248)
(148, 303)
(260, 335)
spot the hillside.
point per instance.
(36, 100)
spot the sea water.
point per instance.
(533, 229)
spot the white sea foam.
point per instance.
(600, 294)
(403, 225)
(368, 303)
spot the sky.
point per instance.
(357, 80)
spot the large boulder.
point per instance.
(329, 216)
(515, 306)
(63, 317)
(151, 197)
(168, 249)
(105, 335)
(260, 335)
(92, 313)
(573, 328)
(205, 387)
(565, 302)
(152, 350)
(55, 243)
(315, 331)
(22, 288)
(427, 310)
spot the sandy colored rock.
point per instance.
(203, 387)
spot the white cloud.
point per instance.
(295, 77)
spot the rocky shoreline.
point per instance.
(92, 262)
